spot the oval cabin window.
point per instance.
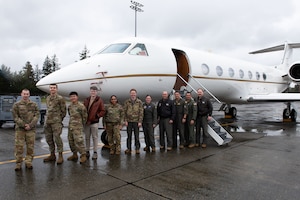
(231, 72)
(250, 74)
(219, 70)
(241, 72)
(257, 76)
(205, 69)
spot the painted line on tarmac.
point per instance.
(39, 156)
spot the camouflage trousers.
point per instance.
(52, 134)
(114, 136)
(76, 140)
(21, 138)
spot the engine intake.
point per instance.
(294, 72)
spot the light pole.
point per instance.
(137, 8)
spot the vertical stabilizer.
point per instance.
(287, 55)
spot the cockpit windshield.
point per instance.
(139, 49)
(115, 48)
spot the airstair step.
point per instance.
(211, 123)
(227, 140)
(218, 133)
(223, 135)
(217, 129)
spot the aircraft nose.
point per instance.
(44, 83)
(41, 85)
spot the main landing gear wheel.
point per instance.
(289, 115)
(230, 112)
(233, 112)
(104, 139)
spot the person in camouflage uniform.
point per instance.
(113, 122)
(78, 116)
(190, 116)
(56, 111)
(134, 112)
(26, 114)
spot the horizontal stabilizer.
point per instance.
(275, 97)
(276, 48)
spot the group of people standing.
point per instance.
(83, 125)
(174, 117)
(179, 117)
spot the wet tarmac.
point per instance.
(260, 163)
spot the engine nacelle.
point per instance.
(294, 72)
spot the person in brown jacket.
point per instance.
(95, 107)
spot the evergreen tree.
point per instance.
(47, 66)
(54, 63)
(5, 79)
(18, 82)
(27, 78)
(84, 54)
(28, 72)
(37, 73)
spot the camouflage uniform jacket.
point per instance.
(190, 109)
(134, 111)
(25, 113)
(56, 109)
(78, 115)
(114, 114)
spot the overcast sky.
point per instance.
(32, 29)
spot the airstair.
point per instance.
(218, 133)
(215, 130)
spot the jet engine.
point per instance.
(294, 72)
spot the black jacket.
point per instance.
(166, 109)
(204, 107)
(150, 115)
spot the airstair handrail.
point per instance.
(213, 96)
(187, 83)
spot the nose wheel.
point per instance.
(289, 115)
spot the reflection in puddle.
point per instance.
(268, 128)
(260, 119)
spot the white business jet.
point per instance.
(153, 67)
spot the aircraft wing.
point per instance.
(274, 97)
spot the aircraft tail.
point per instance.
(287, 55)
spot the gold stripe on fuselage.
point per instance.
(168, 75)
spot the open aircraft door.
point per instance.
(183, 69)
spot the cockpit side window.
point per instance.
(139, 49)
(115, 48)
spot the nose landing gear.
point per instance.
(289, 115)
